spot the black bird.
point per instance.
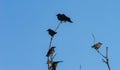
(51, 32)
(60, 17)
(97, 45)
(63, 17)
(66, 19)
(50, 51)
(54, 64)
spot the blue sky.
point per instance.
(24, 40)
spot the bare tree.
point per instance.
(105, 59)
(51, 51)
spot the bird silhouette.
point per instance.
(54, 64)
(66, 19)
(97, 45)
(50, 51)
(63, 18)
(51, 32)
(60, 17)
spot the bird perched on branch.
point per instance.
(63, 17)
(54, 64)
(50, 51)
(51, 32)
(97, 45)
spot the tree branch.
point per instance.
(101, 54)
(105, 57)
(50, 58)
(58, 26)
(93, 38)
(80, 67)
(107, 60)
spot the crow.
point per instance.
(54, 64)
(60, 17)
(63, 17)
(97, 45)
(51, 32)
(50, 51)
(66, 19)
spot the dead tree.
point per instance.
(105, 59)
(51, 51)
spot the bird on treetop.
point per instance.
(97, 45)
(63, 18)
(51, 32)
(50, 51)
(60, 17)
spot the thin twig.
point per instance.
(58, 26)
(107, 60)
(101, 54)
(51, 39)
(105, 57)
(80, 67)
(107, 52)
(93, 38)
(50, 42)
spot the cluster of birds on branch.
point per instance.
(53, 64)
(62, 18)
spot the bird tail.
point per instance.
(59, 61)
(70, 21)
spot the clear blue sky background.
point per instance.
(24, 40)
